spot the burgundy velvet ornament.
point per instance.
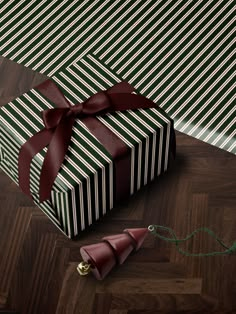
(102, 257)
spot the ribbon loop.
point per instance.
(97, 104)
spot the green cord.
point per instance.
(228, 250)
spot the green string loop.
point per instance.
(228, 250)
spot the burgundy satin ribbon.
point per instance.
(58, 130)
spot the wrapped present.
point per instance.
(77, 151)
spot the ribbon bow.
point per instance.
(97, 104)
(58, 130)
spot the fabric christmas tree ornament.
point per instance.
(102, 257)
(78, 150)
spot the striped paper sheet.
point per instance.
(181, 54)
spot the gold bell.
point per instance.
(84, 268)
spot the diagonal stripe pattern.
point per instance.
(181, 54)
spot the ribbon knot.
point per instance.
(76, 111)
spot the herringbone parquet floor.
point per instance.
(38, 264)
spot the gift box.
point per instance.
(110, 153)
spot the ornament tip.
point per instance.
(84, 268)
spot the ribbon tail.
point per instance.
(50, 90)
(122, 87)
(27, 152)
(54, 158)
(122, 101)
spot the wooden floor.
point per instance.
(38, 264)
